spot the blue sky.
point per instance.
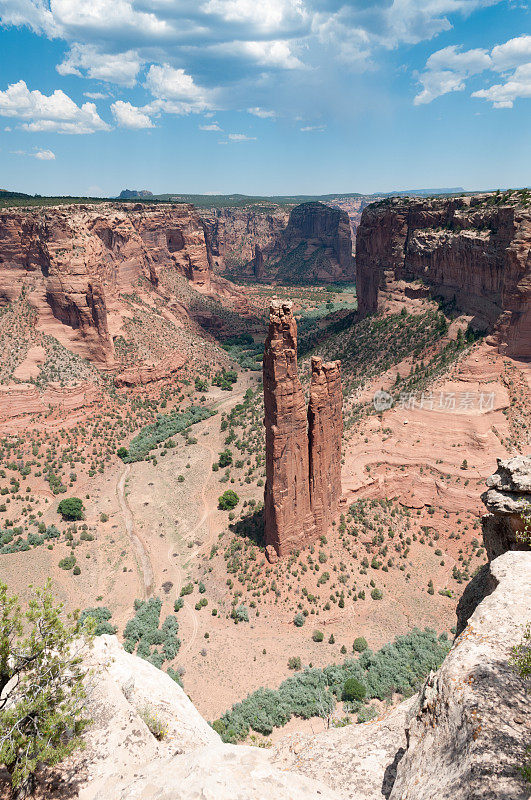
(276, 97)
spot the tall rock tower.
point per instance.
(303, 448)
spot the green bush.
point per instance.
(299, 620)
(225, 458)
(353, 689)
(240, 613)
(294, 662)
(228, 500)
(100, 616)
(318, 636)
(398, 667)
(71, 508)
(164, 427)
(376, 594)
(360, 644)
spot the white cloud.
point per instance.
(503, 95)
(129, 116)
(39, 154)
(175, 91)
(55, 112)
(95, 95)
(262, 113)
(447, 70)
(212, 127)
(119, 68)
(512, 53)
(44, 155)
(318, 128)
(277, 54)
(241, 137)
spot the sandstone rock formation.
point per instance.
(72, 261)
(474, 250)
(123, 760)
(311, 244)
(303, 448)
(507, 499)
(235, 233)
(468, 731)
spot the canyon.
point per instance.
(303, 446)
(474, 252)
(307, 243)
(114, 322)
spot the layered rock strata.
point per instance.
(475, 251)
(508, 501)
(71, 261)
(303, 447)
(310, 244)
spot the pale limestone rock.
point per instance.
(468, 731)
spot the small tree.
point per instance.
(71, 508)
(225, 458)
(360, 644)
(41, 686)
(228, 500)
(318, 636)
(353, 690)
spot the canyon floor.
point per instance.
(408, 525)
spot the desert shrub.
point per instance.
(228, 500)
(71, 508)
(158, 728)
(353, 689)
(145, 621)
(186, 589)
(164, 427)
(318, 636)
(294, 662)
(100, 616)
(68, 562)
(367, 713)
(399, 667)
(240, 613)
(225, 458)
(376, 594)
(122, 453)
(299, 620)
(360, 644)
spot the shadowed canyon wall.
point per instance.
(303, 447)
(474, 250)
(312, 243)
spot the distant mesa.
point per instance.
(134, 194)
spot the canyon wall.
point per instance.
(236, 233)
(303, 447)
(474, 250)
(312, 243)
(70, 261)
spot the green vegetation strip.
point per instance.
(398, 668)
(165, 426)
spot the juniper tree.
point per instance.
(41, 686)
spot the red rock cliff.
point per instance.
(303, 448)
(474, 249)
(71, 260)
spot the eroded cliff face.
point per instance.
(303, 447)
(471, 249)
(71, 261)
(312, 243)
(236, 234)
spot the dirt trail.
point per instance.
(208, 509)
(139, 546)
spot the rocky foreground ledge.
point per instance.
(462, 737)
